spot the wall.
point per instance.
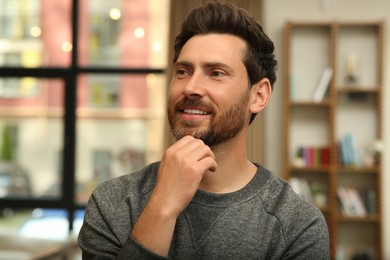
(276, 13)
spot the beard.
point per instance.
(222, 127)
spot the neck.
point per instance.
(234, 170)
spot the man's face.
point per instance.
(209, 94)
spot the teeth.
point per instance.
(194, 111)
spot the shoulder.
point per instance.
(301, 224)
(141, 179)
(291, 211)
(279, 198)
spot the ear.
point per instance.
(260, 95)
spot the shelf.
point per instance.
(352, 89)
(348, 121)
(304, 103)
(367, 219)
(358, 170)
(314, 170)
(359, 93)
(339, 169)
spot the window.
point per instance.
(82, 100)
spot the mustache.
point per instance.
(193, 102)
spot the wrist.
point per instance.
(154, 228)
(162, 208)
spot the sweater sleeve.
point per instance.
(98, 239)
(105, 233)
(133, 250)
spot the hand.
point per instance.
(180, 173)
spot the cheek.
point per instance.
(172, 96)
(174, 90)
(224, 98)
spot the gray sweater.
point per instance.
(264, 220)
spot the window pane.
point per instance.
(128, 33)
(119, 128)
(28, 37)
(50, 224)
(27, 233)
(31, 137)
(39, 223)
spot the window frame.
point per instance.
(69, 75)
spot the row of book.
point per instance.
(349, 154)
(312, 156)
(352, 202)
(356, 203)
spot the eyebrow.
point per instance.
(183, 64)
(205, 64)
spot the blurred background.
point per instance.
(83, 88)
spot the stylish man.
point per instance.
(205, 199)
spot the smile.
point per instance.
(194, 112)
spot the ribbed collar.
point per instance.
(247, 192)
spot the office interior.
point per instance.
(83, 87)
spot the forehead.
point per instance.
(214, 47)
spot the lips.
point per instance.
(194, 112)
(194, 107)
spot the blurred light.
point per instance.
(151, 80)
(66, 46)
(115, 14)
(139, 33)
(157, 46)
(35, 31)
(3, 46)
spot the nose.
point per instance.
(195, 86)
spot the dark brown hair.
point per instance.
(226, 18)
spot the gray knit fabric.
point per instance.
(264, 220)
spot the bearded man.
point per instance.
(205, 199)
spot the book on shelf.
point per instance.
(369, 199)
(350, 252)
(351, 203)
(312, 156)
(323, 84)
(313, 192)
(356, 203)
(301, 187)
(349, 152)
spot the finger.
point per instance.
(209, 164)
(191, 151)
(190, 146)
(199, 149)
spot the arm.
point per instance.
(179, 175)
(105, 233)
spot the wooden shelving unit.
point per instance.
(352, 105)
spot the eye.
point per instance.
(217, 73)
(181, 73)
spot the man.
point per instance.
(205, 199)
